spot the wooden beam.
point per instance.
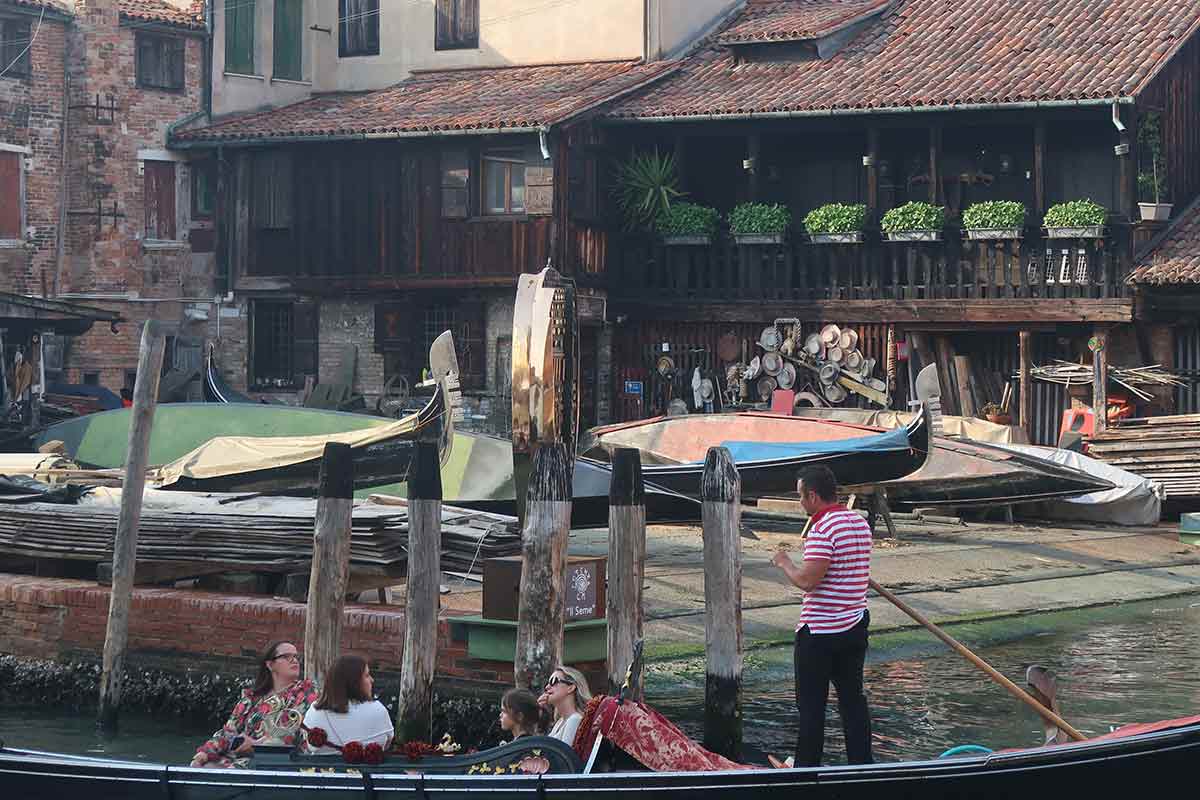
(754, 153)
(924, 312)
(1127, 164)
(626, 566)
(1039, 169)
(1100, 377)
(720, 495)
(935, 158)
(116, 636)
(1025, 414)
(872, 173)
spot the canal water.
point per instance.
(1132, 663)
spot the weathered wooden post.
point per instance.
(720, 493)
(540, 612)
(414, 718)
(1025, 339)
(626, 565)
(116, 637)
(1099, 346)
(331, 561)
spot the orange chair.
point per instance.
(1079, 421)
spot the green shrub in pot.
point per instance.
(689, 219)
(1075, 214)
(914, 216)
(836, 218)
(646, 187)
(995, 214)
(764, 219)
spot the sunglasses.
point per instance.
(294, 657)
(555, 681)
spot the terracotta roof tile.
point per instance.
(191, 16)
(790, 20)
(1175, 259)
(61, 6)
(922, 53)
(454, 100)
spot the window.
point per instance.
(467, 321)
(91, 379)
(289, 40)
(204, 188)
(14, 47)
(239, 36)
(160, 61)
(284, 344)
(457, 24)
(158, 186)
(273, 190)
(504, 182)
(456, 176)
(358, 28)
(11, 206)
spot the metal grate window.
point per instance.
(274, 332)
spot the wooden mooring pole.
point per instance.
(720, 494)
(116, 637)
(540, 613)
(414, 718)
(626, 566)
(330, 563)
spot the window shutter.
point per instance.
(468, 23)
(305, 323)
(239, 36)
(273, 190)
(176, 48)
(159, 199)
(14, 36)
(455, 184)
(288, 40)
(445, 24)
(358, 27)
(147, 61)
(10, 196)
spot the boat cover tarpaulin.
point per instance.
(232, 455)
(766, 451)
(979, 430)
(1133, 500)
(654, 740)
(23, 489)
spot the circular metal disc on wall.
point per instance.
(770, 339)
(786, 377)
(765, 386)
(772, 363)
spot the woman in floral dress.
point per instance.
(268, 713)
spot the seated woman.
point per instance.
(269, 713)
(568, 694)
(519, 713)
(346, 710)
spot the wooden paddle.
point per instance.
(1012, 688)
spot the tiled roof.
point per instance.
(454, 100)
(1176, 258)
(61, 6)
(934, 53)
(790, 20)
(188, 15)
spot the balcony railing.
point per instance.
(957, 269)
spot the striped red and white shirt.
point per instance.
(842, 538)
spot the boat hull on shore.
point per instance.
(1105, 767)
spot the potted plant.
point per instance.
(914, 222)
(646, 185)
(688, 224)
(836, 223)
(994, 219)
(1152, 182)
(759, 223)
(1075, 219)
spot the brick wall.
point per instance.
(350, 322)
(62, 619)
(31, 115)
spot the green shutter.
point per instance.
(239, 36)
(289, 41)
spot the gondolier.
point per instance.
(831, 637)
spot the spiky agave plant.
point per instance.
(646, 186)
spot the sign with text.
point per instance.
(633, 387)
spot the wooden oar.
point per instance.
(1012, 688)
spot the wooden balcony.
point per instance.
(1080, 279)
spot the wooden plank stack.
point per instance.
(278, 541)
(1162, 449)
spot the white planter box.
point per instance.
(682, 241)
(851, 237)
(992, 234)
(1155, 212)
(1084, 232)
(758, 238)
(915, 236)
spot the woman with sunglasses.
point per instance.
(568, 694)
(270, 712)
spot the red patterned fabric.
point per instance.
(654, 741)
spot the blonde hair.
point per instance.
(583, 692)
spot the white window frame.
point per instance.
(27, 153)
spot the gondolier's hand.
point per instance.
(247, 746)
(782, 560)
(200, 759)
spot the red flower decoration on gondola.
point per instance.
(317, 737)
(373, 753)
(415, 750)
(353, 752)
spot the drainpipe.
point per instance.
(208, 57)
(60, 244)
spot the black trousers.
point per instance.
(822, 658)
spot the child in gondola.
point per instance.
(520, 714)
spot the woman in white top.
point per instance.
(568, 694)
(345, 710)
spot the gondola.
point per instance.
(539, 769)
(216, 390)
(767, 449)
